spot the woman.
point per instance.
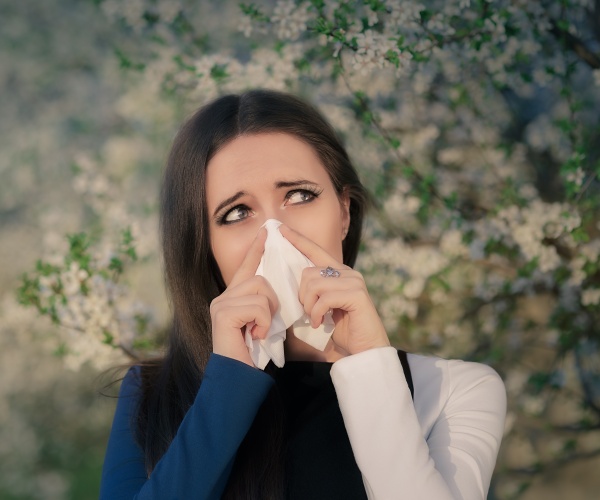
(204, 422)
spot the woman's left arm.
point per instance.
(457, 457)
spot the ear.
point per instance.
(345, 212)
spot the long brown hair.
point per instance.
(193, 278)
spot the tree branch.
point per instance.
(576, 45)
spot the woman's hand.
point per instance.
(357, 324)
(248, 298)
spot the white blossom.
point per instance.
(131, 11)
(168, 10)
(372, 53)
(372, 18)
(590, 296)
(404, 14)
(576, 177)
(533, 405)
(72, 279)
(413, 288)
(290, 19)
(451, 244)
(245, 26)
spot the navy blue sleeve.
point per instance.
(201, 455)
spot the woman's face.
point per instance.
(270, 176)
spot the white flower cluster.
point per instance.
(373, 53)
(590, 297)
(542, 134)
(372, 17)
(108, 201)
(576, 177)
(398, 274)
(289, 19)
(131, 11)
(97, 315)
(530, 229)
(168, 10)
(404, 15)
(246, 26)
(265, 69)
(89, 182)
(589, 253)
(401, 203)
(451, 244)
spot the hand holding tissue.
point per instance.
(282, 265)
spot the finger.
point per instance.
(308, 300)
(313, 284)
(258, 299)
(250, 263)
(238, 316)
(317, 255)
(330, 300)
(256, 286)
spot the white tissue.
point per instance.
(282, 266)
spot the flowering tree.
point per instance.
(476, 128)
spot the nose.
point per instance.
(275, 213)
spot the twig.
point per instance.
(576, 45)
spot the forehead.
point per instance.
(252, 162)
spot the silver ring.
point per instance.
(330, 272)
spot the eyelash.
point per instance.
(314, 192)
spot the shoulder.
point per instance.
(453, 374)
(449, 386)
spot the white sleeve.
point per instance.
(456, 458)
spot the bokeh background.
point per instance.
(475, 125)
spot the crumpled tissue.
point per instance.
(282, 265)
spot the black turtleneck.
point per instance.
(320, 462)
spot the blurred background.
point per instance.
(475, 124)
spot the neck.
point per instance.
(297, 350)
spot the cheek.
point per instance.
(229, 249)
(327, 233)
(228, 257)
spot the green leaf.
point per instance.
(324, 26)
(126, 63)
(528, 269)
(539, 381)
(108, 338)
(580, 235)
(182, 65)
(78, 250)
(61, 351)
(116, 264)
(219, 72)
(28, 294)
(254, 12)
(426, 15)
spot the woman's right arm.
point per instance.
(199, 459)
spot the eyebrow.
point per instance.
(278, 185)
(228, 201)
(299, 182)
